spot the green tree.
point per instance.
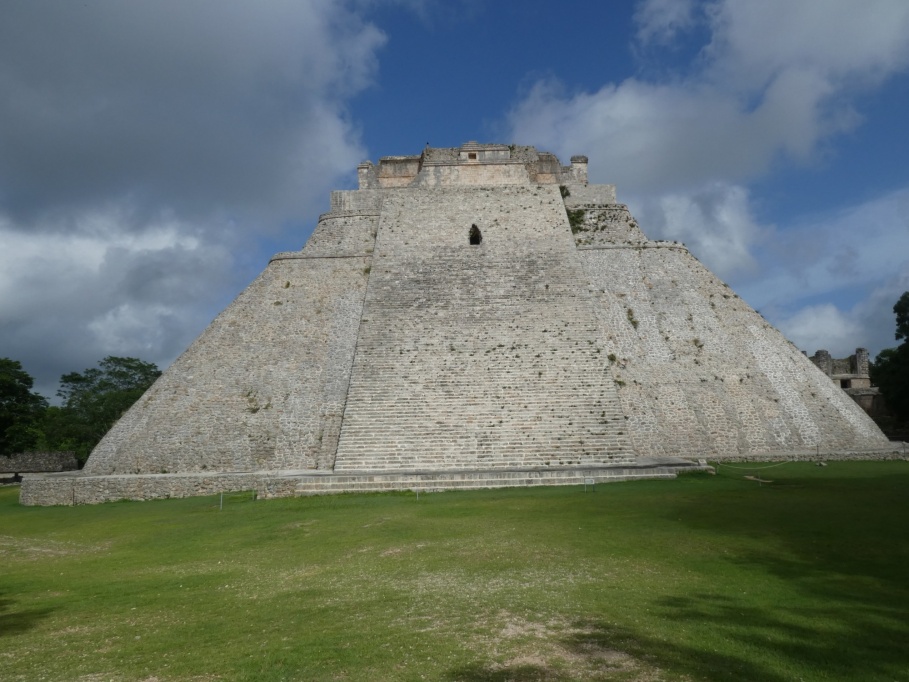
(890, 370)
(93, 400)
(20, 409)
(901, 309)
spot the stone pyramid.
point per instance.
(478, 308)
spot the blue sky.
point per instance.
(154, 155)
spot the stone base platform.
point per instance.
(73, 487)
(77, 488)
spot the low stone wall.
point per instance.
(72, 489)
(896, 450)
(38, 461)
(78, 488)
(307, 484)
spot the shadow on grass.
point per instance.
(14, 622)
(823, 595)
(676, 659)
(754, 644)
(840, 547)
(594, 643)
(476, 672)
(841, 637)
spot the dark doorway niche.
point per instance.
(474, 235)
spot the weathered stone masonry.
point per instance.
(852, 374)
(477, 308)
(38, 461)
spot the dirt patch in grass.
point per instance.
(44, 548)
(556, 650)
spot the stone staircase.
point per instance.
(292, 484)
(479, 357)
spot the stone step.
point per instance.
(454, 463)
(301, 484)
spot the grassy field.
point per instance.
(701, 578)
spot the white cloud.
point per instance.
(130, 329)
(646, 137)
(848, 249)
(845, 42)
(776, 81)
(660, 21)
(775, 84)
(715, 222)
(823, 327)
(868, 323)
(859, 256)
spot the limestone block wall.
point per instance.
(38, 461)
(479, 356)
(343, 234)
(546, 169)
(55, 489)
(397, 171)
(366, 200)
(586, 195)
(576, 172)
(476, 174)
(700, 373)
(262, 388)
(599, 224)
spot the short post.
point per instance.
(221, 506)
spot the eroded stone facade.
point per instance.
(38, 461)
(852, 374)
(480, 307)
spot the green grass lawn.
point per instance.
(701, 578)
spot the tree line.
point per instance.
(91, 401)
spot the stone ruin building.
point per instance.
(471, 316)
(852, 375)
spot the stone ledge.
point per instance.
(896, 450)
(72, 488)
(356, 213)
(642, 245)
(299, 255)
(77, 488)
(473, 162)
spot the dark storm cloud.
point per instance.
(64, 310)
(189, 105)
(145, 147)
